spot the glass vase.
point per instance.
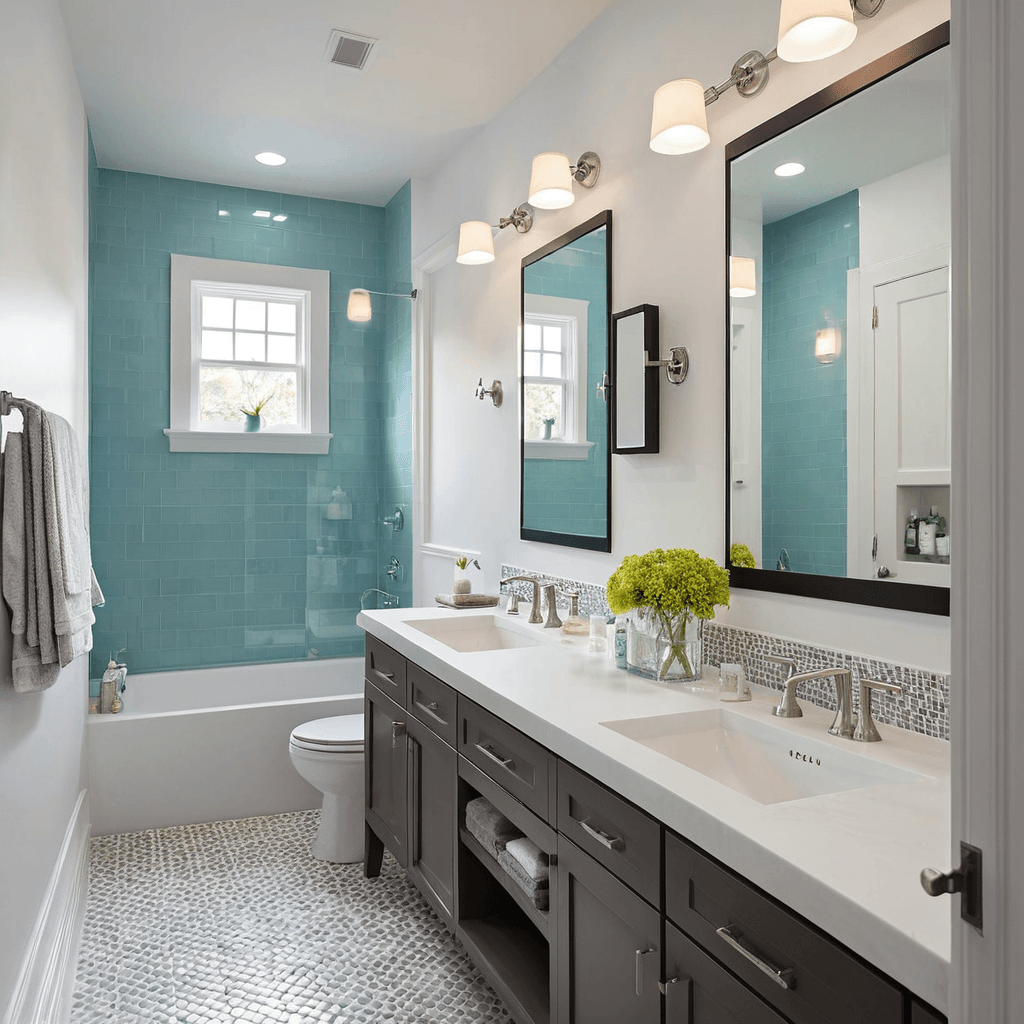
(667, 648)
(461, 584)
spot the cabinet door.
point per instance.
(699, 991)
(385, 756)
(609, 954)
(431, 790)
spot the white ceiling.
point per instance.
(898, 123)
(194, 88)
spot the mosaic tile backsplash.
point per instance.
(922, 707)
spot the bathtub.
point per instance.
(211, 744)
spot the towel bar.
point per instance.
(8, 402)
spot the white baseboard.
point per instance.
(42, 994)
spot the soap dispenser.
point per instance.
(574, 625)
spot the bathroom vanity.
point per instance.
(674, 890)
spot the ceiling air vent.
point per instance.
(347, 50)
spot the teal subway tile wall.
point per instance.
(214, 559)
(803, 402)
(571, 496)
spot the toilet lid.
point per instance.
(338, 733)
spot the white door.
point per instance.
(745, 370)
(912, 422)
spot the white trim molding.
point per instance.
(43, 991)
(987, 700)
(555, 449)
(191, 272)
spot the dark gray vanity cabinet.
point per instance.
(410, 774)
(609, 946)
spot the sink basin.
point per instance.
(470, 633)
(760, 760)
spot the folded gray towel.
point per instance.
(489, 826)
(538, 892)
(533, 860)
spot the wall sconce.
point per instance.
(551, 178)
(808, 30)
(360, 308)
(742, 277)
(476, 237)
(828, 343)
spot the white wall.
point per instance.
(669, 250)
(43, 309)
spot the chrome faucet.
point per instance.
(788, 707)
(513, 604)
(866, 731)
(550, 593)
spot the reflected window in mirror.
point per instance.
(565, 443)
(839, 338)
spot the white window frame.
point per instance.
(571, 314)
(195, 276)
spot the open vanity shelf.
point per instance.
(636, 911)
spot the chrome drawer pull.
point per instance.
(640, 954)
(432, 706)
(608, 841)
(431, 709)
(780, 975)
(397, 731)
(390, 676)
(505, 762)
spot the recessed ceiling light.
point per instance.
(280, 217)
(261, 213)
(271, 159)
(223, 213)
(789, 170)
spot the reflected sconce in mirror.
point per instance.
(476, 237)
(360, 307)
(552, 176)
(828, 343)
(808, 30)
(742, 277)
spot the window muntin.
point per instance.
(549, 376)
(249, 344)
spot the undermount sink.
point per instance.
(470, 633)
(762, 761)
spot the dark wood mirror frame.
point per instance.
(651, 383)
(570, 540)
(932, 600)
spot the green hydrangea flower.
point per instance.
(741, 556)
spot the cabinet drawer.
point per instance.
(698, 991)
(385, 668)
(827, 984)
(520, 766)
(432, 702)
(612, 831)
(921, 1014)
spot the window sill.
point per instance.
(577, 450)
(259, 441)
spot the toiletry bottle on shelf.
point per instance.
(620, 641)
(926, 531)
(574, 624)
(942, 539)
(339, 507)
(910, 534)
(112, 686)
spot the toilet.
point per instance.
(328, 754)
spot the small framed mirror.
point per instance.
(634, 404)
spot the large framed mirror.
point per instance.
(565, 445)
(839, 347)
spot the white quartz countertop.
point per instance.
(848, 861)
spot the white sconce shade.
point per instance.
(680, 122)
(476, 243)
(827, 344)
(551, 182)
(742, 277)
(814, 29)
(360, 310)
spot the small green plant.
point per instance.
(463, 560)
(258, 393)
(742, 557)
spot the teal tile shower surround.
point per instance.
(803, 402)
(563, 496)
(214, 559)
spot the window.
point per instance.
(248, 337)
(555, 378)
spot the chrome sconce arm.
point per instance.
(676, 367)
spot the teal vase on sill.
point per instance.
(252, 423)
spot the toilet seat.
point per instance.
(340, 734)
